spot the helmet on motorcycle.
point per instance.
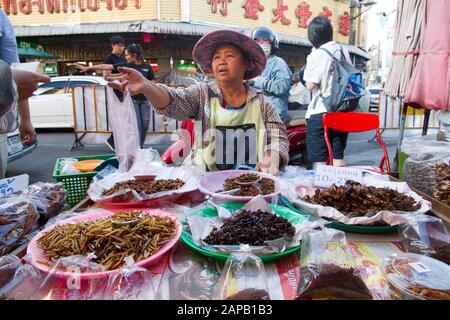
(266, 33)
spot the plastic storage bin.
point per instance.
(77, 184)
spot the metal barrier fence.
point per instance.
(390, 111)
(91, 116)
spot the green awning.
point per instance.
(31, 52)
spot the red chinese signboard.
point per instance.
(303, 14)
(63, 6)
(279, 13)
(251, 9)
(344, 24)
(215, 6)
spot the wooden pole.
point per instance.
(426, 121)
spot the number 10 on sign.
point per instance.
(328, 175)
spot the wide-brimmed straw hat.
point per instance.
(205, 47)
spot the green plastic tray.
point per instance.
(346, 227)
(77, 184)
(287, 213)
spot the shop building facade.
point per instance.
(79, 30)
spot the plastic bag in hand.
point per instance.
(125, 129)
(130, 283)
(328, 269)
(426, 235)
(243, 278)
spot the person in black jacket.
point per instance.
(134, 59)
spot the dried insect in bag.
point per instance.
(426, 235)
(327, 268)
(18, 217)
(243, 278)
(419, 171)
(442, 188)
(125, 129)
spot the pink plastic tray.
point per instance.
(39, 260)
(214, 181)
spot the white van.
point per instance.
(51, 106)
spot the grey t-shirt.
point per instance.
(7, 93)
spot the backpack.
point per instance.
(346, 85)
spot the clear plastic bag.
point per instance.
(8, 266)
(125, 129)
(49, 199)
(189, 276)
(327, 268)
(426, 235)
(442, 188)
(130, 283)
(243, 278)
(68, 279)
(419, 171)
(24, 285)
(424, 144)
(444, 129)
(18, 216)
(109, 169)
(67, 166)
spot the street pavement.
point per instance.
(52, 145)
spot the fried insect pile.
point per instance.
(252, 228)
(356, 200)
(442, 187)
(111, 239)
(263, 187)
(148, 187)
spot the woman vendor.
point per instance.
(234, 123)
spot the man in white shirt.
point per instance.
(318, 81)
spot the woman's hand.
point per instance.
(270, 163)
(128, 78)
(27, 132)
(27, 82)
(82, 68)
